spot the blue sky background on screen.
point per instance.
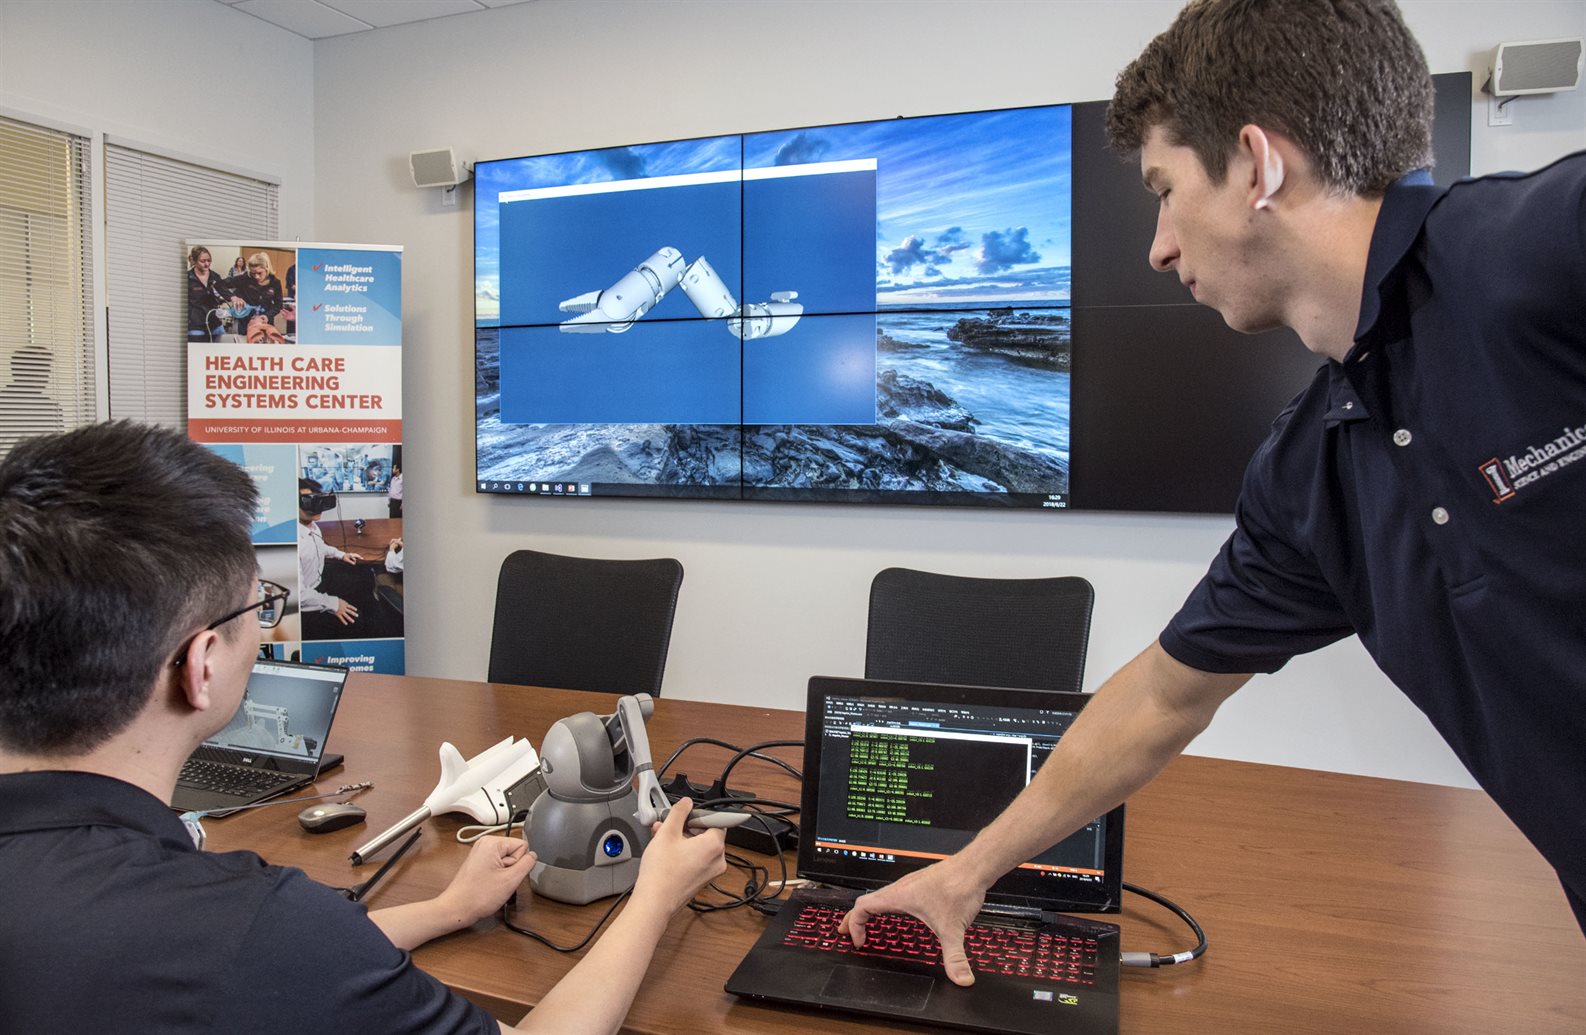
(969, 208)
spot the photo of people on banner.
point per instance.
(311, 409)
(250, 302)
(350, 553)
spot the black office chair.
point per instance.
(930, 628)
(582, 623)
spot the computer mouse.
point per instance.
(322, 819)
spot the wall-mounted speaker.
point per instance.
(436, 168)
(1535, 66)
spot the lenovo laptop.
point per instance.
(273, 744)
(896, 776)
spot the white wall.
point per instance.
(191, 77)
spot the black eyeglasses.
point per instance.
(270, 605)
(272, 596)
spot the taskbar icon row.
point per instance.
(539, 488)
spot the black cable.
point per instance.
(752, 751)
(755, 751)
(786, 808)
(717, 795)
(758, 880)
(690, 742)
(1151, 959)
(507, 920)
(752, 886)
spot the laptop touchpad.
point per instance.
(858, 987)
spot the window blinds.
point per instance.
(153, 204)
(46, 282)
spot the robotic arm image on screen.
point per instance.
(267, 727)
(615, 309)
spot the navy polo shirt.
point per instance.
(111, 919)
(1429, 494)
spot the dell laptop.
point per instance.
(273, 744)
(897, 776)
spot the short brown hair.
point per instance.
(1343, 79)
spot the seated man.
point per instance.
(338, 602)
(127, 632)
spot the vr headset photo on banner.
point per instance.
(316, 502)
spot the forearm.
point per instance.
(411, 925)
(1139, 720)
(595, 995)
(314, 600)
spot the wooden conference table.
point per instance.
(371, 542)
(1332, 903)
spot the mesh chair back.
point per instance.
(1026, 633)
(581, 623)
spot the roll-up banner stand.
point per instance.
(294, 372)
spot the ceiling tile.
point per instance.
(380, 13)
(307, 18)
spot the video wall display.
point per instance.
(888, 311)
(865, 311)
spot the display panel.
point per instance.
(900, 775)
(870, 311)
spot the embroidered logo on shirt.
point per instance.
(1508, 476)
(1502, 488)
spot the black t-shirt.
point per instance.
(110, 919)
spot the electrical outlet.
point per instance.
(1498, 111)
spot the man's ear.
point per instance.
(1267, 165)
(198, 669)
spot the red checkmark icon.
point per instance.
(318, 266)
(316, 308)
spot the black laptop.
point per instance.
(896, 776)
(273, 744)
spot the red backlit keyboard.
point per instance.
(991, 949)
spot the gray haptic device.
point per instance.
(590, 826)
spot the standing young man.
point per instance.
(1427, 492)
(127, 633)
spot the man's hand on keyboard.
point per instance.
(941, 896)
